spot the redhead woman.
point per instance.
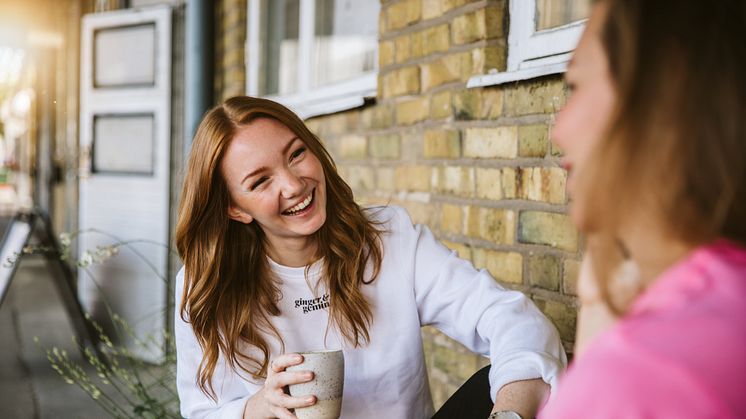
(654, 135)
(279, 259)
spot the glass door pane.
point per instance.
(554, 13)
(278, 43)
(345, 39)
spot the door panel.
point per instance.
(124, 181)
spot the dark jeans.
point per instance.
(472, 400)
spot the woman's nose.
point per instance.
(292, 184)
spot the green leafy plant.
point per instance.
(123, 384)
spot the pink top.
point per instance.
(679, 353)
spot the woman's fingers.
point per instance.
(286, 378)
(278, 378)
(282, 413)
(287, 401)
(280, 362)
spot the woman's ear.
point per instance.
(235, 213)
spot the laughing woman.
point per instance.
(279, 259)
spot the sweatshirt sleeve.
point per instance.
(471, 307)
(231, 390)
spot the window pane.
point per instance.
(346, 39)
(123, 144)
(124, 56)
(553, 13)
(278, 43)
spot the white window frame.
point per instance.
(532, 53)
(308, 101)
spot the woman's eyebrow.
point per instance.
(263, 168)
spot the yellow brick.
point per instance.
(452, 219)
(385, 146)
(401, 82)
(500, 142)
(360, 178)
(469, 27)
(440, 105)
(386, 179)
(495, 225)
(489, 183)
(492, 103)
(467, 67)
(442, 143)
(509, 183)
(452, 4)
(417, 44)
(546, 228)
(353, 147)
(544, 271)
(466, 104)
(403, 13)
(458, 181)
(485, 60)
(570, 273)
(545, 184)
(421, 213)
(335, 124)
(562, 315)
(443, 70)
(385, 53)
(532, 140)
(314, 125)
(463, 251)
(506, 267)
(403, 48)
(379, 116)
(431, 8)
(435, 39)
(412, 111)
(541, 97)
(413, 178)
(494, 18)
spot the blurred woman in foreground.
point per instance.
(654, 136)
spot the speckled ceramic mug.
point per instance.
(329, 374)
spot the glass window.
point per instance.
(345, 40)
(315, 56)
(555, 13)
(278, 70)
(124, 56)
(123, 144)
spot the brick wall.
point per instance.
(476, 165)
(230, 38)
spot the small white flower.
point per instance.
(65, 239)
(86, 259)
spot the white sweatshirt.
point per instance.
(421, 282)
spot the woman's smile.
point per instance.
(302, 208)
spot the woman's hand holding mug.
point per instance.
(272, 401)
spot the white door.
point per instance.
(125, 119)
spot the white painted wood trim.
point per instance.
(511, 76)
(305, 43)
(341, 96)
(252, 48)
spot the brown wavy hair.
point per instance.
(676, 142)
(229, 295)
